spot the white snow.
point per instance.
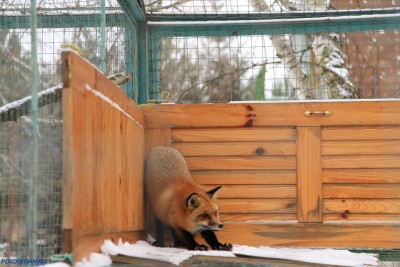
(176, 256)
(318, 256)
(112, 103)
(20, 102)
(95, 260)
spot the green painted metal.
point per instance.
(143, 63)
(130, 62)
(34, 145)
(62, 21)
(133, 9)
(103, 36)
(269, 15)
(272, 27)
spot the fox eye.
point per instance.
(204, 216)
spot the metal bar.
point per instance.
(103, 36)
(32, 203)
(133, 9)
(277, 26)
(62, 21)
(269, 15)
(143, 61)
(129, 65)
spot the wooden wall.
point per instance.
(289, 179)
(103, 155)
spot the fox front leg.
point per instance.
(159, 234)
(185, 239)
(212, 240)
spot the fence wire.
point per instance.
(350, 64)
(186, 7)
(68, 25)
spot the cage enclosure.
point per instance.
(301, 125)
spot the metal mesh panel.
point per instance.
(187, 7)
(324, 65)
(67, 25)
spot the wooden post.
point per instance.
(309, 174)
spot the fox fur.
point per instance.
(186, 208)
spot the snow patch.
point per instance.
(142, 249)
(95, 260)
(318, 256)
(112, 103)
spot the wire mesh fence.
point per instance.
(185, 7)
(61, 25)
(348, 64)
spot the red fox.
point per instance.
(179, 203)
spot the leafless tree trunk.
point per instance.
(284, 49)
(327, 51)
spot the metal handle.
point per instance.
(319, 113)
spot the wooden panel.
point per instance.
(362, 206)
(309, 174)
(241, 163)
(357, 217)
(344, 235)
(361, 161)
(257, 217)
(370, 147)
(361, 133)
(103, 156)
(272, 114)
(245, 177)
(249, 206)
(257, 191)
(236, 148)
(361, 176)
(234, 134)
(157, 137)
(361, 191)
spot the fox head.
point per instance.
(202, 211)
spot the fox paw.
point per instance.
(226, 247)
(200, 247)
(158, 244)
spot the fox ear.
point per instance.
(193, 201)
(213, 193)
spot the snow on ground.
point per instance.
(176, 256)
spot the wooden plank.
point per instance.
(157, 137)
(234, 134)
(387, 132)
(241, 163)
(370, 147)
(332, 234)
(361, 176)
(361, 191)
(92, 243)
(350, 206)
(271, 114)
(79, 74)
(237, 149)
(361, 161)
(348, 217)
(197, 260)
(249, 206)
(103, 189)
(256, 191)
(309, 174)
(245, 177)
(257, 217)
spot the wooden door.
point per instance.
(291, 178)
